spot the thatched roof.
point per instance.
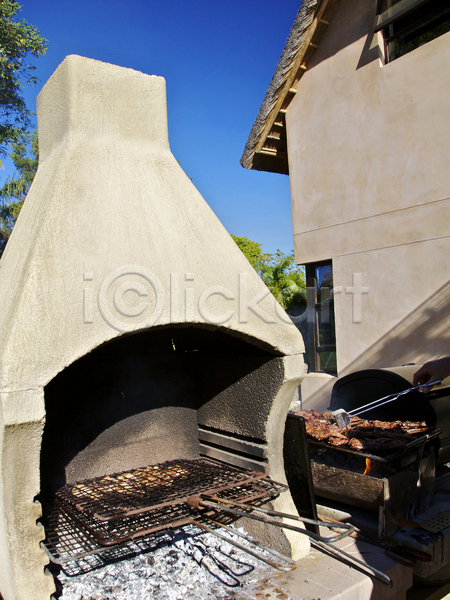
(266, 148)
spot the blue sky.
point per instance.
(218, 59)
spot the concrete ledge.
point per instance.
(321, 576)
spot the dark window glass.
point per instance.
(416, 28)
(318, 328)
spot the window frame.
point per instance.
(313, 347)
(395, 12)
(387, 19)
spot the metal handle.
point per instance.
(342, 556)
(222, 504)
(324, 543)
(390, 398)
(289, 566)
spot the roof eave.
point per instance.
(266, 148)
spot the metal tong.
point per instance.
(321, 542)
(287, 564)
(342, 417)
(248, 511)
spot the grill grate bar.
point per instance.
(150, 488)
(201, 476)
(67, 543)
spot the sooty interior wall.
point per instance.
(136, 400)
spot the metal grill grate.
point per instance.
(77, 551)
(151, 488)
(437, 523)
(154, 499)
(398, 459)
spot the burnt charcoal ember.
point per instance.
(361, 434)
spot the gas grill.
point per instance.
(398, 485)
(361, 387)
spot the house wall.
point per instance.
(368, 148)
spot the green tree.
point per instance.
(279, 272)
(25, 157)
(252, 251)
(18, 39)
(286, 281)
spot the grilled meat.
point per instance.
(374, 436)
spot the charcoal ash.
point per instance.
(182, 565)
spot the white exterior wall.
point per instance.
(369, 147)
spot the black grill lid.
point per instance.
(362, 387)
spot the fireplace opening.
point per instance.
(140, 399)
(164, 398)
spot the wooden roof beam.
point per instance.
(288, 80)
(272, 152)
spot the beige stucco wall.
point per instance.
(368, 152)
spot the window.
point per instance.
(408, 24)
(318, 328)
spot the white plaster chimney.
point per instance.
(113, 238)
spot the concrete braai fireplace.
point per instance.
(133, 330)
